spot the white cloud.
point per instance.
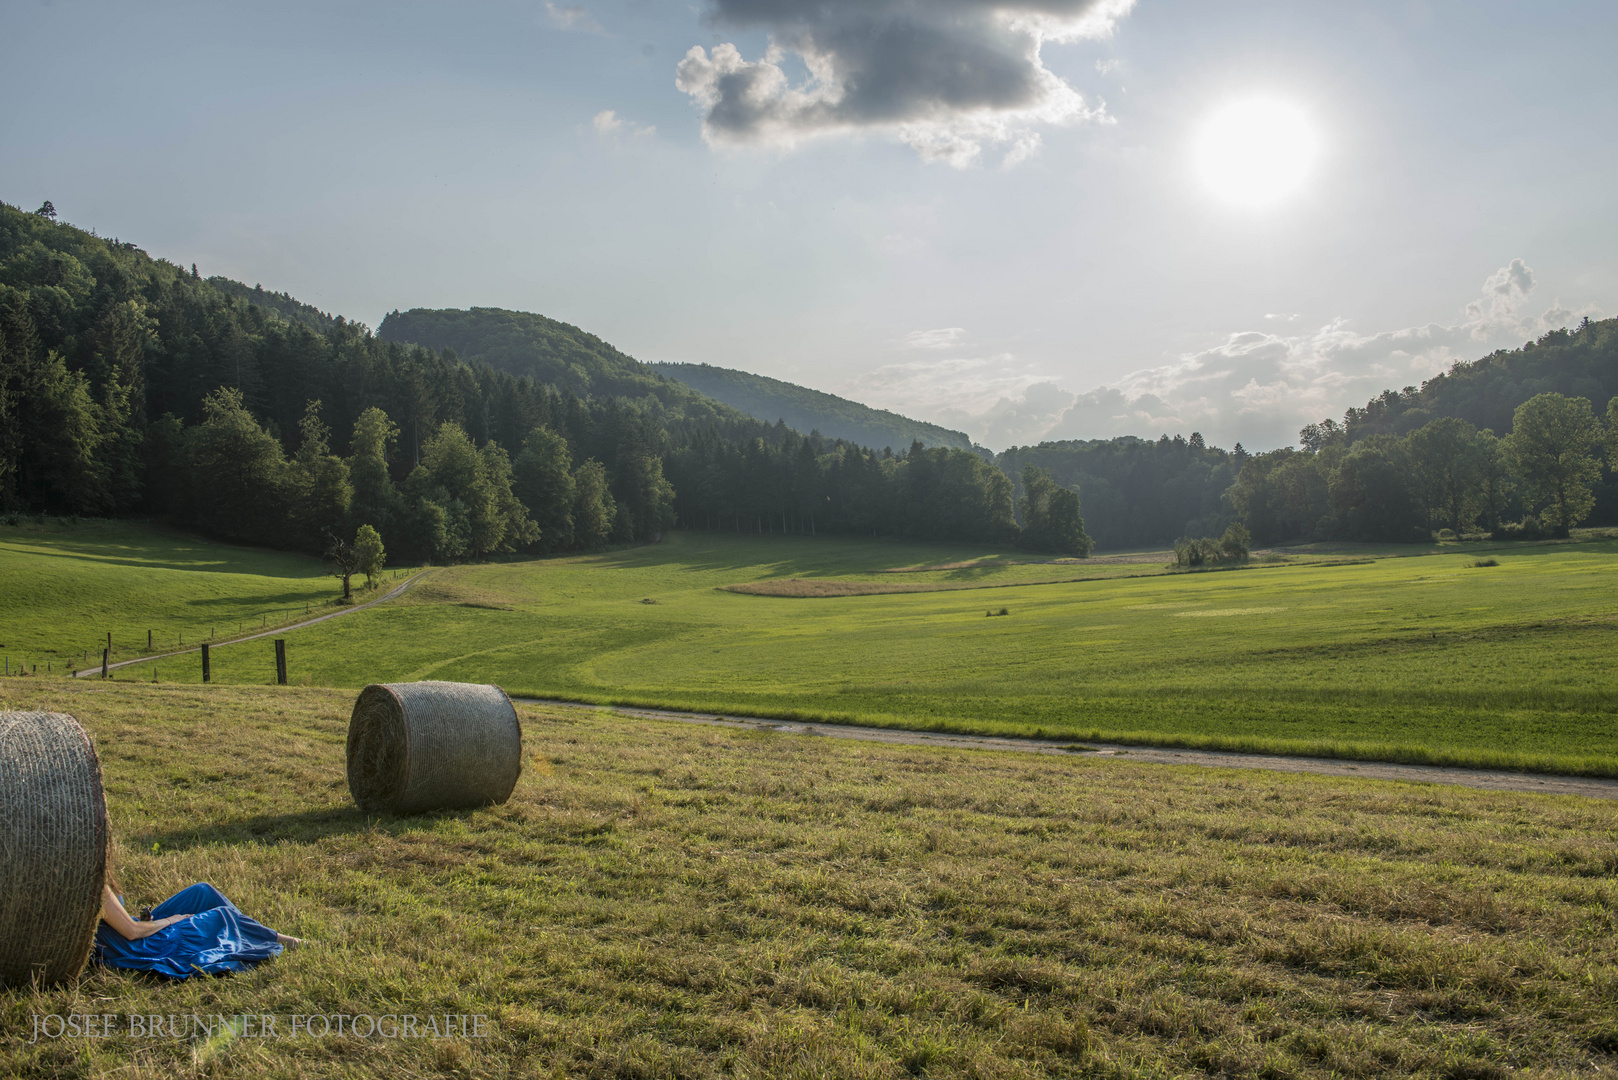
(941, 384)
(1257, 387)
(608, 122)
(573, 18)
(947, 77)
(943, 338)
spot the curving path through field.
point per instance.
(397, 590)
(1482, 779)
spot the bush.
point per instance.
(1235, 542)
(1445, 536)
(1192, 553)
(1529, 528)
(1487, 562)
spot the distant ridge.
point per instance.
(521, 343)
(807, 410)
(562, 355)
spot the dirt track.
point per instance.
(397, 590)
(1482, 779)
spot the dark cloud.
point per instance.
(945, 75)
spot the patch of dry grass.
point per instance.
(799, 587)
(1150, 558)
(451, 587)
(663, 900)
(822, 587)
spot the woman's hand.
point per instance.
(154, 925)
(114, 915)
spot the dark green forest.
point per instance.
(134, 386)
(548, 352)
(1513, 444)
(1139, 492)
(811, 410)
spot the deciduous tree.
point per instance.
(593, 506)
(542, 477)
(1550, 451)
(369, 554)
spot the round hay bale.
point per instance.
(432, 746)
(53, 847)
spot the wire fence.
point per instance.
(161, 637)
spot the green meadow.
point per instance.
(67, 585)
(1420, 657)
(668, 900)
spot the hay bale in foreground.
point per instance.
(53, 847)
(432, 746)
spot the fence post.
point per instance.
(281, 661)
(207, 675)
(106, 654)
(148, 641)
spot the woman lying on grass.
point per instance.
(195, 930)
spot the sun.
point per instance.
(1254, 152)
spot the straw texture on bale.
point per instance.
(432, 746)
(53, 847)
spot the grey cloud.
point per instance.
(1013, 420)
(1515, 279)
(945, 76)
(1502, 291)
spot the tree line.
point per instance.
(808, 485)
(1447, 474)
(130, 385)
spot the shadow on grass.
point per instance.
(302, 827)
(1596, 544)
(785, 555)
(147, 547)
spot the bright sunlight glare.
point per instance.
(1256, 151)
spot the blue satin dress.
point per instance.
(218, 938)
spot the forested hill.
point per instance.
(1139, 492)
(130, 385)
(1579, 363)
(811, 410)
(549, 352)
(283, 304)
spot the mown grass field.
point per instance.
(1419, 659)
(64, 587)
(1372, 654)
(658, 900)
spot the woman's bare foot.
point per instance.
(289, 942)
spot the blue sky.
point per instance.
(946, 222)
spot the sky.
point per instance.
(1043, 219)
